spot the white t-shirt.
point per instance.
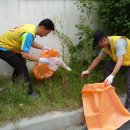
(121, 44)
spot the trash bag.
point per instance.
(54, 62)
(42, 71)
(103, 109)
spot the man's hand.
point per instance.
(109, 80)
(85, 74)
(43, 60)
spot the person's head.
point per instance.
(45, 27)
(100, 39)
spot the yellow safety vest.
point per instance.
(112, 52)
(11, 40)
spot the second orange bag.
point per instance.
(103, 109)
(42, 71)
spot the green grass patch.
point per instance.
(60, 92)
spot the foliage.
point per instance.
(85, 6)
(65, 41)
(83, 52)
(114, 15)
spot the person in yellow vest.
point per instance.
(118, 48)
(15, 45)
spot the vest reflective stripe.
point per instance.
(112, 52)
(11, 40)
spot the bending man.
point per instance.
(15, 46)
(118, 48)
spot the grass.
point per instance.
(60, 92)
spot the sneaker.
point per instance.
(34, 95)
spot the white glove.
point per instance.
(43, 60)
(109, 80)
(45, 48)
(85, 73)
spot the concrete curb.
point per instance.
(50, 121)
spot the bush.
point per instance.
(83, 53)
(115, 16)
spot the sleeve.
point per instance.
(102, 53)
(27, 40)
(121, 44)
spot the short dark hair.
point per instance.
(47, 23)
(98, 35)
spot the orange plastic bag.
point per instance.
(42, 71)
(103, 109)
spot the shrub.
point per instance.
(114, 15)
(83, 53)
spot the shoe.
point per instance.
(34, 95)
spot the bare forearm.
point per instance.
(29, 57)
(117, 66)
(37, 45)
(94, 63)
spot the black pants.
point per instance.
(109, 66)
(19, 65)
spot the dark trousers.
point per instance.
(19, 65)
(109, 66)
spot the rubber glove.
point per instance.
(85, 74)
(43, 60)
(109, 80)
